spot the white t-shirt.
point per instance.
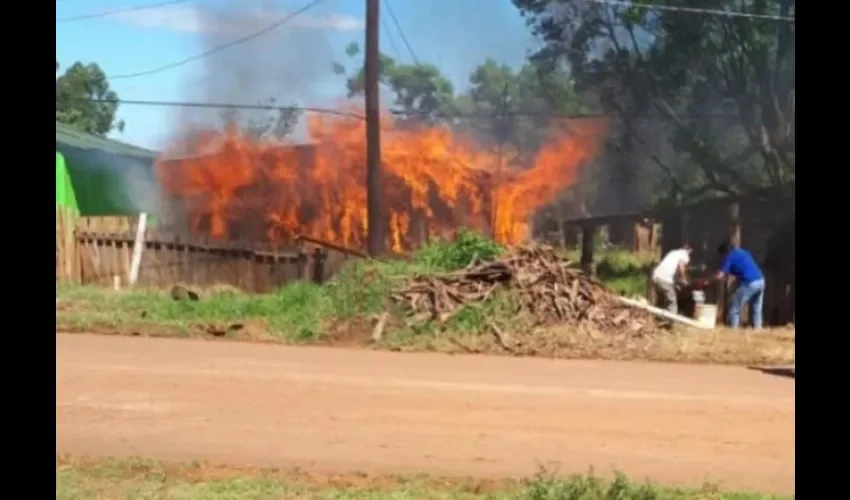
(665, 271)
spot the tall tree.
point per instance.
(517, 108)
(85, 101)
(263, 124)
(422, 92)
(721, 87)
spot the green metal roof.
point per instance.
(65, 134)
(108, 177)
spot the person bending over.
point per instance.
(740, 263)
(671, 270)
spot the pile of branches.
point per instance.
(544, 285)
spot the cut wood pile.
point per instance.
(546, 286)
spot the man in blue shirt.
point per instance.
(740, 263)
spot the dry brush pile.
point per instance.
(546, 288)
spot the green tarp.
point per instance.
(107, 177)
(64, 189)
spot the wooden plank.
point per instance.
(261, 269)
(603, 220)
(735, 223)
(66, 246)
(332, 246)
(103, 248)
(587, 247)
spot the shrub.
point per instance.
(457, 254)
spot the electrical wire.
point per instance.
(695, 10)
(401, 32)
(120, 11)
(397, 112)
(213, 105)
(391, 38)
(223, 46)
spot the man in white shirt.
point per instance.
(672, 269)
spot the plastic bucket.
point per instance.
(706, 315)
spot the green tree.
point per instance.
(263, 124)
(517, 109)
(85, 101)
(422, 92)
(720, 88)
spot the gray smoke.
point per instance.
(459, 35)
(288, 65)
(114, 183)
(140, 184)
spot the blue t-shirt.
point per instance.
(741, 264)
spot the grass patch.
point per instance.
(450, 255)
(622, 271)
(301, 311)
(344, 310)
(139, 478)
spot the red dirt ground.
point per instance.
(336, 410)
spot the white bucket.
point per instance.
(706, 315)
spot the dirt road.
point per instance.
(347, 410)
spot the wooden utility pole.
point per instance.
(501, 136)
(375, 239)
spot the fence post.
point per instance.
(650, 291)
(138, 246)
(301, 265)
(722, 303)
(67, 255)
(735, 224)
(587, 244)
(319, 256)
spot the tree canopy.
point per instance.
(422, 92)
(77, 91)
(510, 109)
(500, 105)
(269, 124)
(719, 88)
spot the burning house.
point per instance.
(231, 186)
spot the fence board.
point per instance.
(67, 255)
(102, 246)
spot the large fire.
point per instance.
(434, 182)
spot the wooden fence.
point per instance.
(98, 250)
(66, 264)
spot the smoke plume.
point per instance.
(287, 66)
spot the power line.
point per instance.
(401, 32)
(397, 112)
(214, 105)
(503, 113)
(119, 11)
(223, 46)
(393, 45)
(695, 10)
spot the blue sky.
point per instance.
(453, 34)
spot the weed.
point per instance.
(136, 478)
(622, 271)
(344, 308)
(451, 255)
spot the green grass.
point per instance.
(147, 479)
(622, 271)
(303, 311)
(343, 311)
(299, 311)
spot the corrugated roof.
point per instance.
(70, 136)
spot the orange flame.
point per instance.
(434, 182)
